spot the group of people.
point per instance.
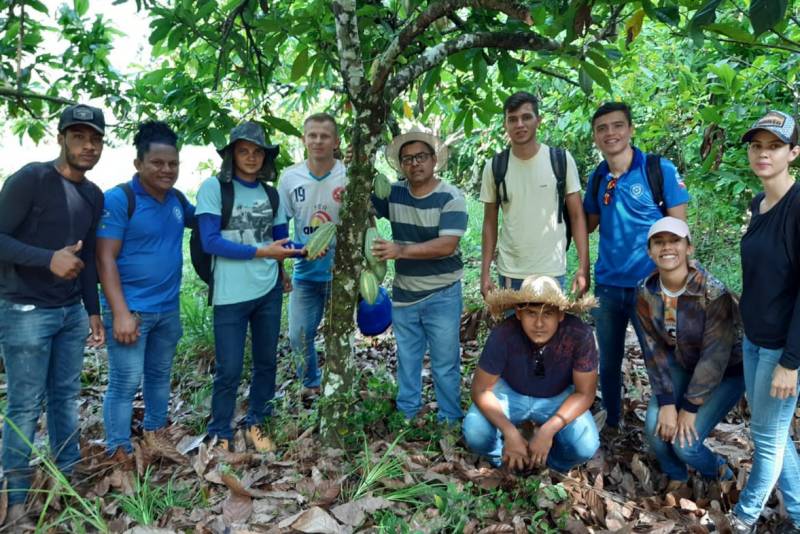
(60, 236)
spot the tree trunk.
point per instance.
(339, 393)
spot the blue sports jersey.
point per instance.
(624, 222)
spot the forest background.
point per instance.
(695, 72)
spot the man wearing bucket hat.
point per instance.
(428, 218)
(311, 192)
(48, 216)
(538, 365)
(248, 283)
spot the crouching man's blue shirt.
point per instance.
(151, 258)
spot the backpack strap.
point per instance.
(274, 199)
(558, 160)
(131, 196)
(226, 193)
(596, 178)
(655, 179)
(499, 169)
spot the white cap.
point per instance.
(672, 225)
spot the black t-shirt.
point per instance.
(41, 211)
(770, 304)
(511, 354)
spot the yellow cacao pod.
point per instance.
(382, 186)
(368, 286)
(320, 240)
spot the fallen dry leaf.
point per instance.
(353, 513)
(237, 508)
(318, 521)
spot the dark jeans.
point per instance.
(617, 307)
(148, 362)
(230, 332)
(43, 353)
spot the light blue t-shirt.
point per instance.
(150, 258)
(251, 223)
(624, 222)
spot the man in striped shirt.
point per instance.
(428, 218)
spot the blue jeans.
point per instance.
(306, 305)
(504, 282)
(617, 307)
(574, 444)
(230, 332)
(775, 458)
(673, 458)
(432, 324)
(148, 362)
(43, 353)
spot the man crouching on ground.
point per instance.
(538, 365)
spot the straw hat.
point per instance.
(537, 290)
(392, 151)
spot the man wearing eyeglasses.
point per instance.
(428, 218)
(538, 365)
(628, 199)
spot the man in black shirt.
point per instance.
(48, 284)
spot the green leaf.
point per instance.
(38, 6)
(81, 7)
(731, 30)
(597, 75)
(300, 65)
(706, 14)
(765, 14)
(598, 59)
(585, 81)
(282, 125)
(160, 30)
(469, 123)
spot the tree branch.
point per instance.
(383, 65)
(435, 55)
(349, 45)
(8, 92)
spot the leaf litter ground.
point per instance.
(393, 477)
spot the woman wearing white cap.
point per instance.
(693, 353)
(770, 306)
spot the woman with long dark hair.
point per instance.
(770, 308)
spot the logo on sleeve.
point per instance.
(177, 213)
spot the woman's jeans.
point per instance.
(775, 458)
(674, 458)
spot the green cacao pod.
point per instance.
(379, 270)
(320, 240)
(368, 286)
(382, 186)
(369, 237)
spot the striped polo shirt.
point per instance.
(441, 212)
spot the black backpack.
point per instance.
(558, 160)
(655, 179)
(202, 261)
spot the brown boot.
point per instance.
(159, 445)
(259, 440)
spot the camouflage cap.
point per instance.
(249, 131)
(779, 123)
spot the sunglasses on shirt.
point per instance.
(611, 186)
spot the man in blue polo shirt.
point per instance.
(428, 218)
(624, 207)
(140, 259)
